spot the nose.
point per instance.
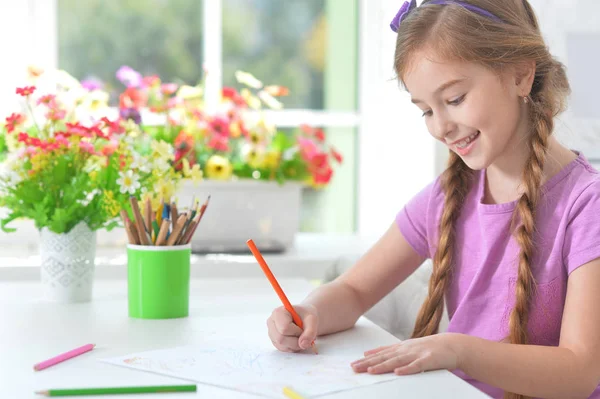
(443, 126)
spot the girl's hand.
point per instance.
(286, 335)
(413, 356)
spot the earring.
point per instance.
(525, 100)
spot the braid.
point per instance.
(455, 183)
(524, 233)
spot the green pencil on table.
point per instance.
(118, 390)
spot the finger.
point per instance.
(391, 364)
(362, 366)
(282, 342)
(282, 320)
(415, 367)
(382, 352)
(376, 350)
(310, 331)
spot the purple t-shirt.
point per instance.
(481, 294)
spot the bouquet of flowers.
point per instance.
(67, 162)
(233, 140)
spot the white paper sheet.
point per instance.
(259, 370)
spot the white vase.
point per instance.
(265, 211)
(67, 264)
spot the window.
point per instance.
(281, 42)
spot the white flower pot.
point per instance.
(265, 211)
(67, 264)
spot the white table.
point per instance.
(32, 330)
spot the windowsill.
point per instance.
(311, 255)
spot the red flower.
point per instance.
(110, 148)
(323, 176)
(220, 126)
(132, 98)
(219, 143)
(13, 121)
(114, 127)
(77, 129)
(184, 141)
(338, 157)
(25, 91)
(234, 96)
(320, 135)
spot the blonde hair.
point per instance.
(453, 32)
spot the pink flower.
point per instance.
(47, 99)
(88, 147)
(168, 88)
(62, 140)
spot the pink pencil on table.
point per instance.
(63, 356)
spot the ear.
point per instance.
(524, 76)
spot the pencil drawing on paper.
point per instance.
(246, 368)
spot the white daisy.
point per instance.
(128, 182)
(140, 163)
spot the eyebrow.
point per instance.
(442, 88)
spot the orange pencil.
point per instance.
(286, 303)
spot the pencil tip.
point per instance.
(42, 393)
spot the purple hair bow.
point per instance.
(402, 13)
(408, 7)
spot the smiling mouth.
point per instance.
(465, 142)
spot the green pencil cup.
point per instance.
(158, 281)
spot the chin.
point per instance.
(475, 162)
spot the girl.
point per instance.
(512, 225)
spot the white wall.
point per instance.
(396, 153)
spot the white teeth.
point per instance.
(465, 142)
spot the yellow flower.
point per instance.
(93, 175)
(109, 204)
(254, 156)
(154, 200)
(163, 150)
(164, 188)
(39, 162)
(195, 173)
(272, 159)
(189, 92)
(218, 168)
(251, 100)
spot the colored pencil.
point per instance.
(290, 393)
(286, 303)
(118, 390)
(139, 221)
(134, 232)
(63, 356)
(127, 223)
(177, 228)
(162, 234)
(148, 217)
(174, 213)
(191, 228)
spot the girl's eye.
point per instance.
(458, 100)
(427, 113)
